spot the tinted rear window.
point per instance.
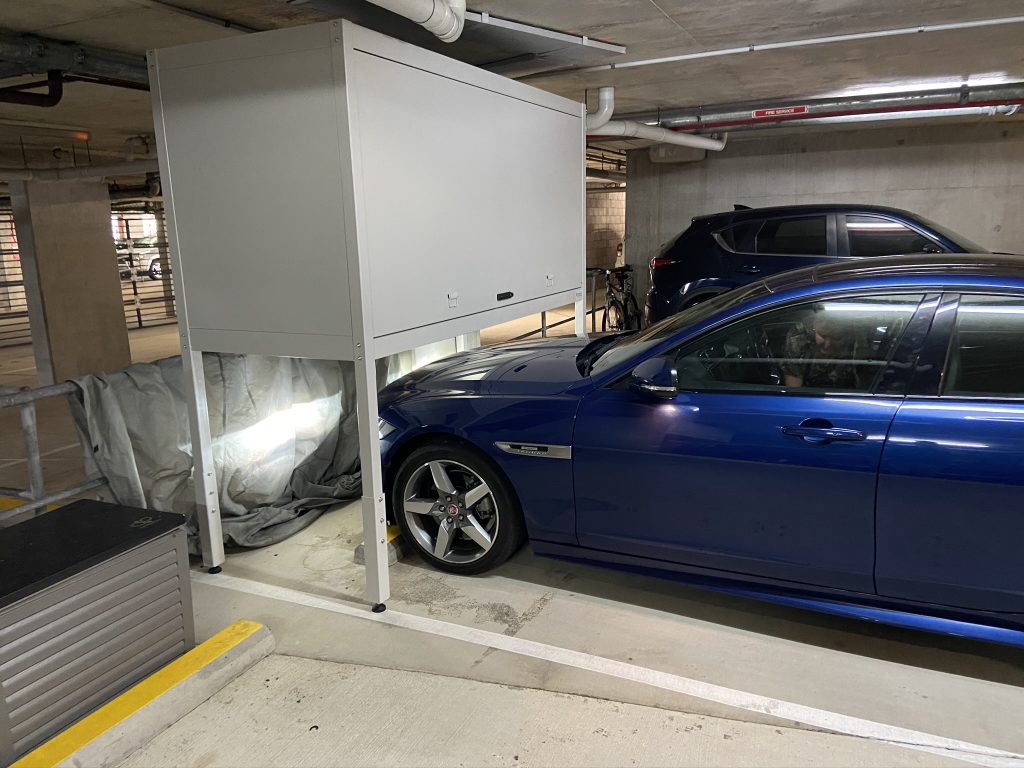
(740, 237)
(803, 236)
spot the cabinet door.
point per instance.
(479, 196)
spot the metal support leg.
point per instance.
(593, 303)
(581, 314)
(378, 586)
(467, 341)
(33, 461)
(203, 473)
(544, 325)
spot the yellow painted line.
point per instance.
(65, 744)
(8, 503)
(393, 533)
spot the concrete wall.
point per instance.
(71, 278)
(968, 177)
(606, 226)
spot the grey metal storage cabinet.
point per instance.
(335, 193)
(93, 598)
(306, 167)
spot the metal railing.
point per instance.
(593, 274)
(35, 496)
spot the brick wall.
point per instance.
(606, 226)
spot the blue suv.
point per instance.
(724, 250)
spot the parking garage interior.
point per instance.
(141, 205)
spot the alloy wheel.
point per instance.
(451, 511)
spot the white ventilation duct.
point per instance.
(629, 129)
(442, 17)
(600, 123)
(605, 108)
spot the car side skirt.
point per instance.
(1006, 629)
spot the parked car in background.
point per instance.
(143, 254)
(846, 438)
(724, 250)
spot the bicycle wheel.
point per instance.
(614, 315)
(632, 320)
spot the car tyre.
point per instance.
(481, 529)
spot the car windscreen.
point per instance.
(635, 344)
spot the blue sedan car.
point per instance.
(847, 437)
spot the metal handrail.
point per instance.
(593, 274)
(35, 495)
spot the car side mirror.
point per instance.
(656, 378)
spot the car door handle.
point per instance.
(819, 435)
(750, 269)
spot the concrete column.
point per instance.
(71, 278)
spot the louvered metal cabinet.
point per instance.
(72, 646)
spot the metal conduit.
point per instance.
(755, 115)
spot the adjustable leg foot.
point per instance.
(215, 569)
(379, 608)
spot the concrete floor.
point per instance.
(945, 686)
(303, 712)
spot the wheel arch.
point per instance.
(423, 439)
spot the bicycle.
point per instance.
(621, 312)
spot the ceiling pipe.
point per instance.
(605, 108)
(444, 18)
(1010, 107)
(606, 175)
(628, 129)
(801, 43)
(739, 116)
(18, 94)
(41, 54)
(600, 125)
(79, 172)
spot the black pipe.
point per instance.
(16, 94)
(106, 81)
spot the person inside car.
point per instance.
(814, 349)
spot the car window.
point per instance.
(634, 344)
(834, 345)
(878, 236)
(740, 237)
(806, 235)
(986, 356)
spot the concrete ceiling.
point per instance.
(647, 28)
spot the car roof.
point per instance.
(785, 210)
(949, 265)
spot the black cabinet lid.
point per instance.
(43, 550)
